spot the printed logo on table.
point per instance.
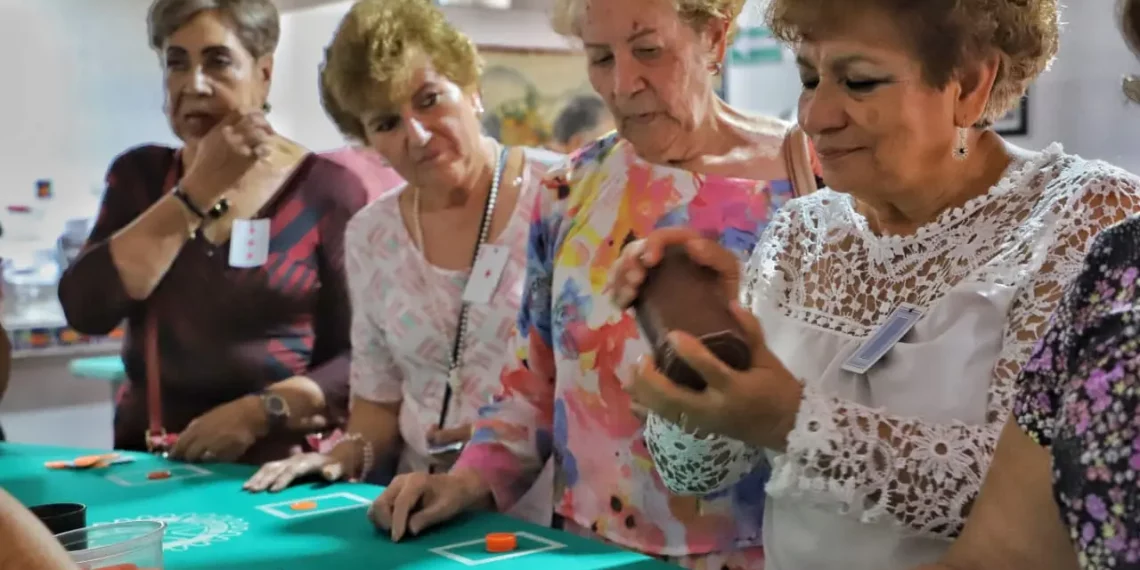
(184, 532)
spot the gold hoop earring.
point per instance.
(717, 68)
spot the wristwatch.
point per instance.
(276, 410)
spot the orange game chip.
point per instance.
(303, 505)
(155, 475)
(88, 461)
(501, 542)
(55, 464)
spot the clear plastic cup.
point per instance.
(123, 545)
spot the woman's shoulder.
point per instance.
(142, 162)
(144, 154)
(382, 213)
(1070, 175)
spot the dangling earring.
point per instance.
(716, 68)
(962, 147)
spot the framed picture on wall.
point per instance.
(1016, 121)
(524, 90)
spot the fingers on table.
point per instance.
(407, 501)
(278, 475)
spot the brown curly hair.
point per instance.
(945, 35)
(567, 16)
(255, 21)
(374, 52)
(1129, 14)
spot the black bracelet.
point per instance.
(178, 193)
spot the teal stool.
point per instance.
(106, 368)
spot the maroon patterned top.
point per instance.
(224, 332)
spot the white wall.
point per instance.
(297, 111)
(80, 87)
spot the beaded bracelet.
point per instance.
(366, 449)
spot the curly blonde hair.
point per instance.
(375, 50)
(567, 16)
(945, 35)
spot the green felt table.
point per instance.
(213, 524)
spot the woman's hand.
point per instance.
(225, 154)
(416, 501)
(758, 406)
(224, 433)
(639, 256)
(277, 475)
(454, 438)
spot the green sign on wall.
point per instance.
(755, 46)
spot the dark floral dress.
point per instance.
(1079, 395)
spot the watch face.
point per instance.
(274, 405)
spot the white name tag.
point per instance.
(249, 243)
(486, 273)
(878, 344)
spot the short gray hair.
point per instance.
(581, 114)
(256, 21)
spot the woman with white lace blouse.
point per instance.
(932, 222)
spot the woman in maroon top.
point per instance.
(246, 338)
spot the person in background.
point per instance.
(683, 158)
(1062, 492)
(225, 257)
(584, 119)
(25, 543)
(429, 336)
(378, 177)
(889, 315)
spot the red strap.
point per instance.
(156, 432)
(153, 373)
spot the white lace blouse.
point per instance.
(881, 467)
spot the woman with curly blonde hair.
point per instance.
(429, 332)
(889, 315)
(680, 157)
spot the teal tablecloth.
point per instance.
(109, 368)
(214, 525)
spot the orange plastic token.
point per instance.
(501, 542)
(303, 505)
(154, 475)
(56, 464)
(88, 461)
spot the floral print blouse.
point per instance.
(1079, 395)
(574, 351)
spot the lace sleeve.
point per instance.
(867, 463)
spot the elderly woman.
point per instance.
(683, 158)
(1062, 491)
(429, 332)
(225, 256)
(894, 311)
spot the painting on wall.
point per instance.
(1016, 121)
(525, 89)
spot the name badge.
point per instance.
(249, 243)
(878, 344)
(486, 273)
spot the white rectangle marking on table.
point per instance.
(272, 509)
(195, 472)
(445, 551)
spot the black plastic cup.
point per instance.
(61, 517)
